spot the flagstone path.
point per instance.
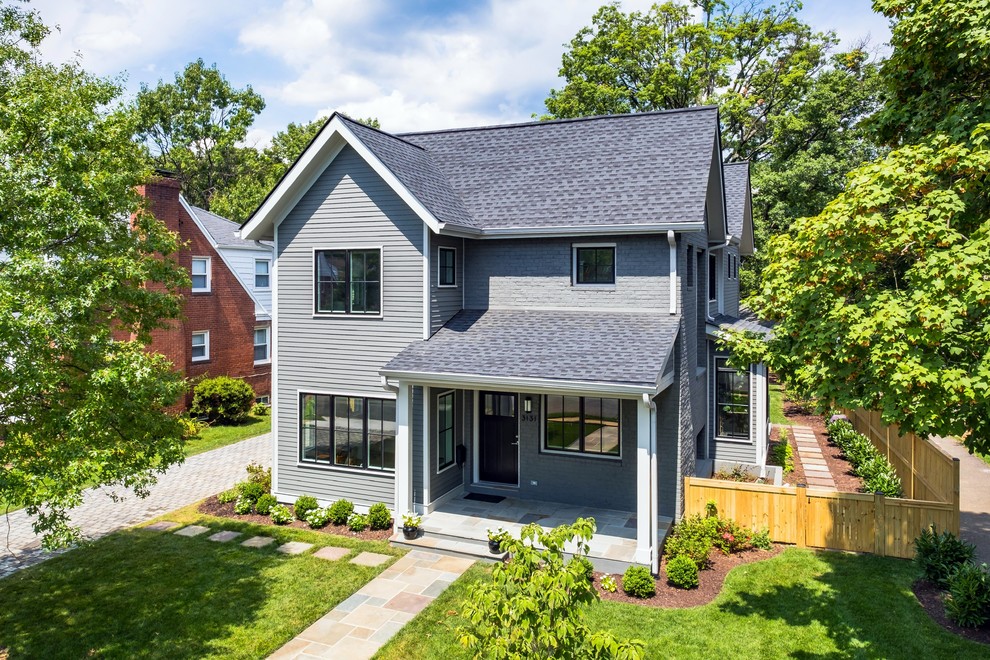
(816, 472)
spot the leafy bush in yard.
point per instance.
(318, 518)
(228, 496)
(868, 463)
(280, 514)
(637, 581)
(357, 522)
(223, 399)
(260, 409)
(693, 537)
(761, 539)
(265, 504)
(304, 504)
(782, 454)
(968, 602)
(939, 555)
(587, 568)
(243, 506)
(379, 516)
(340, 511)
(257, 474)
(190, 427)
(682, 572)
(250, 491)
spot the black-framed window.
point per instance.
(731, 401)
(349, 281)
(347, 431)
(594, 265)
(446, 267)
(690, 266)
(445, 430)
(712, 277)
(585, 425)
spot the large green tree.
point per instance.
(195, 127)
(883, 300)
(77, 407)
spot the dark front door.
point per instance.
(499, 442)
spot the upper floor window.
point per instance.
(349, 281)
(446, 267)
(586, 425)
(262, 274)
(731, 401)
(262, 351)
(594, 264)
(445, 430)
(347, 431)
(200, 346)
(712, 277)
(200, 274)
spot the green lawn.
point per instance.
(777, 404)
(156, 595)
(800, 604)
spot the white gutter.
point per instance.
(472, 381)
(654, 497)
(389, 388)
(672, 242)
(569, 230)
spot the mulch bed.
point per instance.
(710, 581)
(212, 507)
(931, 596)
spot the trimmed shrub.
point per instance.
(968, 602)
(693, 537)
(260, 409)
(379, 516)
(340, 511)
(318, 518)
(304, 504)
(638, 582)
(357, 522)
(760, 539)
(251, 491)
(586, 567)
(265, 504)
(243, 506)
(939, 555)
(228, 496)
(682, 572)
(223, 399)
(280, 514)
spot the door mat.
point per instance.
(478, 497)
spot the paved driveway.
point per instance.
(200, 476)
(974, 496)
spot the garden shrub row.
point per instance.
(868, 463)
(782, 453)
(949, 562)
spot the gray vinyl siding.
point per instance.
(349, 206)
(668, 431)
(416, 431)
(443, 482)
(446, 301)
(536, 273)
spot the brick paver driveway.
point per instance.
(200, 476)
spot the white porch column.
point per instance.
(644, 486)
(403, 455)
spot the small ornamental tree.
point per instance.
(533, 605)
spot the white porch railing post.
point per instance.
(644, 544)
(403, 455)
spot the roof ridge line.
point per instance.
(394, 136)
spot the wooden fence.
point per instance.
(814, 518)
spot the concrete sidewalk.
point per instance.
(199, 477)
(974, 496)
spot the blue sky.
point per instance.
(414, 64)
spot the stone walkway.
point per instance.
(363, 623)
(816, 472)
(199, 477)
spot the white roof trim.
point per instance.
(310, 165)
(570, 230)
(549, 384)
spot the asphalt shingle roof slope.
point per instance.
(604, 347)
(736, 176)
(223, 231)
(746, 321)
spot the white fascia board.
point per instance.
(249, 248)
(310, 165)
(475, 381)
(571, 230)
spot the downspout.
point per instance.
(654, 497)
(389, 388)
(672, 242)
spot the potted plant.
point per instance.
(495, 538)
(410, 526)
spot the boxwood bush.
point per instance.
(340, 511)
(304, 504)
(638, 582)
(379, 516)
(265, 503)
(223, 399)
(682, 572)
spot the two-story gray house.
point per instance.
(523, 311)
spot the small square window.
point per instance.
(200, 274)
(262, 274)
(594, 264)
(261, 348)
(447, 267)
(349, 281)
(200, 346)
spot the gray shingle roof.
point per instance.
(746, 321)
(628, 348)
(736, 176)
(223, 231)
(621, 169)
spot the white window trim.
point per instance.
(439, 262)
(263, 288)
(268, 344)
(574, 265)
(209, 274)
(453, 446)
(350, 315)
(206, 344)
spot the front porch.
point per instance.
(460, 527)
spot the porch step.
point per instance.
(448, 545)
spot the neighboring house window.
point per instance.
(690, 266)
(594, 264)
(447, 272)
(347, 431)
(445, 430)
(712, 277)
(261, 348)
(200, 274)
(262, 274)
(349, 281)
(200, 346)
(587, 425)
(731, 401)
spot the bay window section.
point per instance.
(731, 401)
(347, 431)
(584, 425)
(348, 281)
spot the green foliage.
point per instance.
(968, 602)
(190, 427)
(79, 407)
(587, 568)
(263, 506)
(637, 581)
(251, 490)
(411, 520)
(258, 474)
(939, 555)
(608, 584)
(357, 522)
(760, 539)
(280, 514)
(340, 511)
(533, 606)
(318, 518)
(228, 495)
(682, 572)
(379, 517)
(877, 472)
(260, 409)
(304, 504)
(782, 454)
(243, 506)
(224, 399)
(694, 538)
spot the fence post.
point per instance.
(801, 513)
(879, 526)
(955, 495)
(914, 441)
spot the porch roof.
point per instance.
(747, 321)
(607, 351)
